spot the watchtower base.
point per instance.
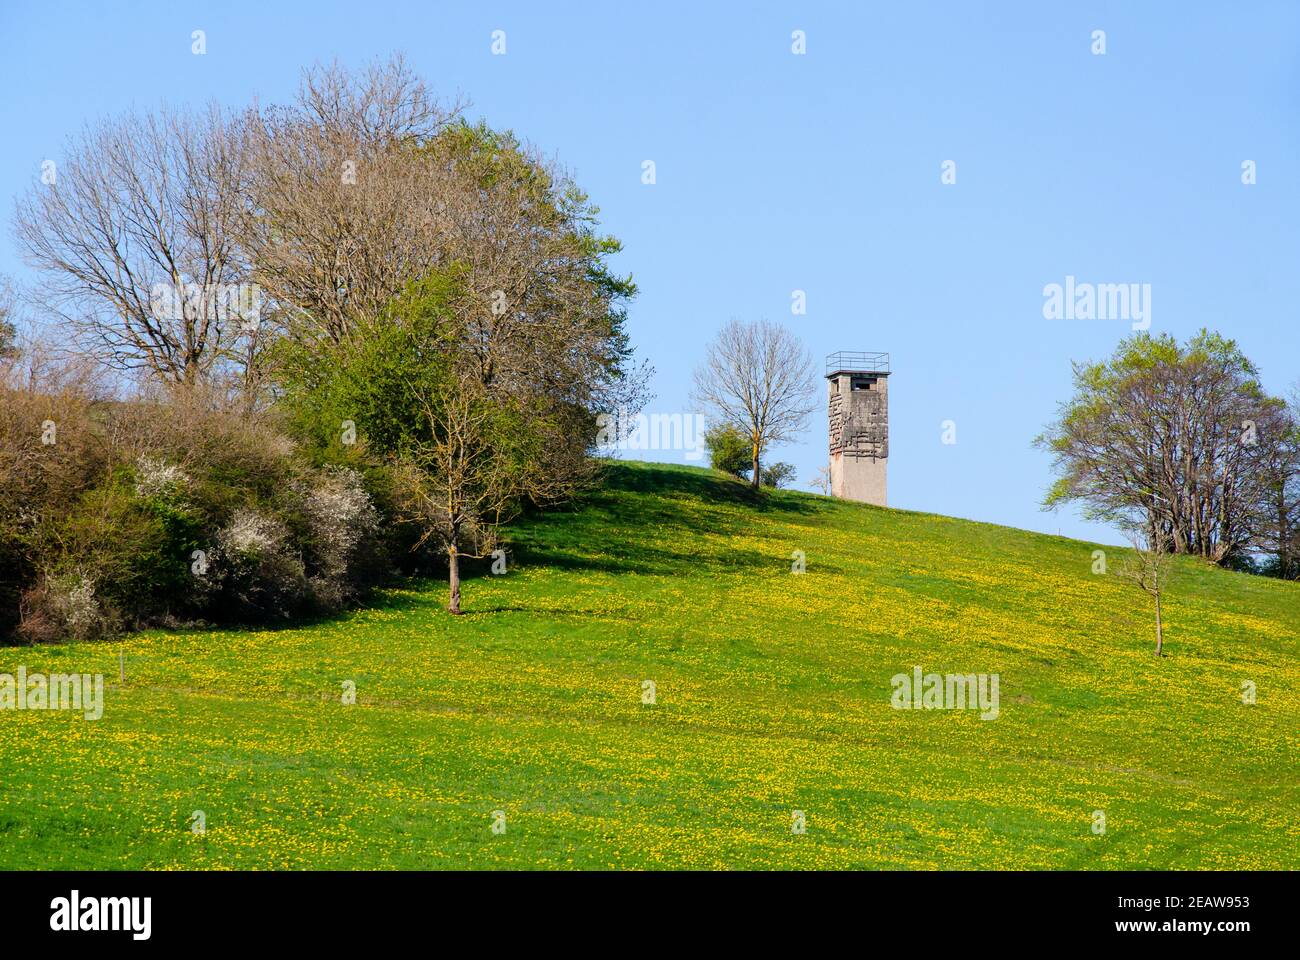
(859, 478)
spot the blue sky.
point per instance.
(820, 173)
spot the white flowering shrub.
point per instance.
(65, 607)
(250, 534)
(72, 599)
(170, 508)
(157, 479)
(344, 528)
(256, 574)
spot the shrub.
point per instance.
(729, 449)
(256, 576)
(136, 550)
(346, 551)
(778, 474)
(51, 451)
(65, 606)
(156, 479)
(106, 502)
(129, 491)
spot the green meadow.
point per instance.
(771, 709)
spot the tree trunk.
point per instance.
(1160, 636)
(453, 566)
(1283, 539)
(754, 482)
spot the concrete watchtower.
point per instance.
(859, 425)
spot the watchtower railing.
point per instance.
(857, 362)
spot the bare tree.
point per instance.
(8, 327)
(467, 454)
(134, 235)
(476, 461)
(343, 209)
(759, 378)
(1149, 568)
(822, 481)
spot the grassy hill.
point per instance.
(772, 695)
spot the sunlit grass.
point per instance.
(772, 695)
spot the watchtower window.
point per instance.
(863, 383)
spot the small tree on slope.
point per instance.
(1149, 569)
(760, 379)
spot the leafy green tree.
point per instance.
(1170, 441)
(364, 395)
(538, 305)
(465, 454)
(778, 474)
(728, 448)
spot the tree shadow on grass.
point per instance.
(638, 559)
(598, 531)
(709, 486)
